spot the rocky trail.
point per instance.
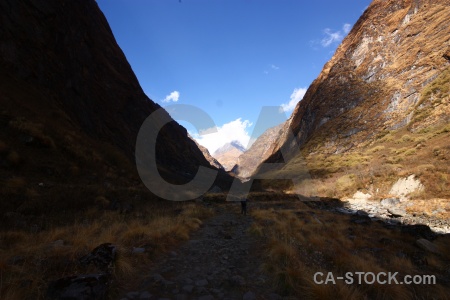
(222, 260)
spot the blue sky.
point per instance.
(229, 57)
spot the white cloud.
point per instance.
(296, 96)
(332, 37)
(236, 130)
(174, 96)
(274, 67)
(346, 28)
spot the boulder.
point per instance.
(427, 246)
(405, 186)
(389, 202)
(419, 231)
(361, 196)
(80, 287)
(102, 256)
(397, 212)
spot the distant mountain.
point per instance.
(228, 154)
(260, 150)
(207, 155)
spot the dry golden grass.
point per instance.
(436, 207)
(378, 164)
(35, 258)
(33, 129)
(302, 241)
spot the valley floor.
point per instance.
(274, 252)
(222, 260)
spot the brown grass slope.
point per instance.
(388, 78)
(301, 240)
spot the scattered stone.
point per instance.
(358, 219)
(102, 256)
(206, 297)
(389, 202)
(427, 246)
(343, 210)
(397, 212)
(361, 196)
(81, 287)
(362, 213)
(249, 296)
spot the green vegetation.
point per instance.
(373, 165)
(433, 95)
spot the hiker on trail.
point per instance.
(244, 206)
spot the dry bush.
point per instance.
(328, 242)
(162, 227)
(35, 130)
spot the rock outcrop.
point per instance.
(375, 78)
(390, 74)
(259, 151)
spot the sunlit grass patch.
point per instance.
(297, 249)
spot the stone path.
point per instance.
(220, 261)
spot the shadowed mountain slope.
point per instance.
(70, 104)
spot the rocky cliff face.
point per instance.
(67, 86)
(260, 150)
(390, 76)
